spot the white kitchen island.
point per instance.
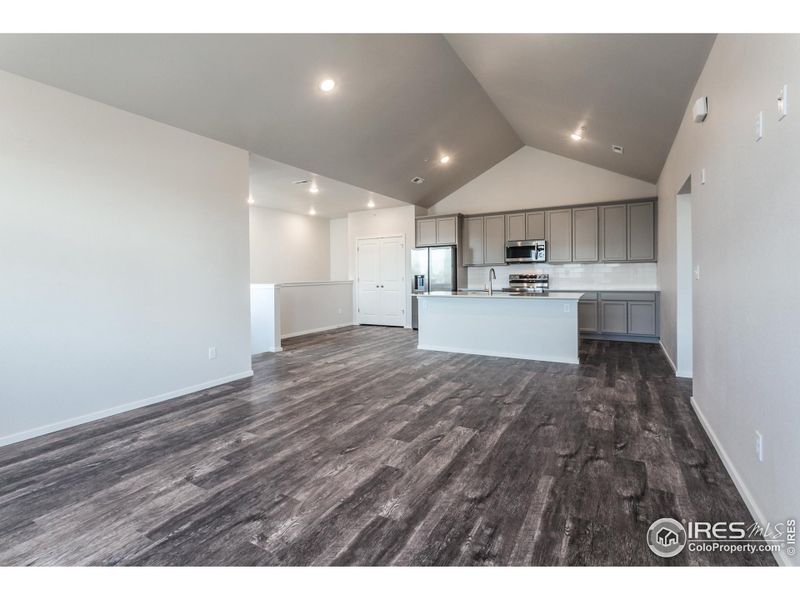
(530, 327)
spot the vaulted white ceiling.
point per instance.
(400, 103)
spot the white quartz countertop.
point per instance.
(503, 295)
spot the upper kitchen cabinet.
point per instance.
(515, 227)
(534, 225)
(584, 234)
(614, 233)
(473, 241)
(558, 234)
(494, 240)
(437, 231)
(641, 231)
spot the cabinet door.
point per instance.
(494, 240)
(587, 316)
(473, 241)
(515, 227)
(534, 226)
(426, 232)
(446, 231)
(642, 318)
(614, 233)
(613, 316)
(584, 234)
(641, 231)
(559, 235)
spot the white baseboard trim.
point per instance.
(539, 357)
(115, 410)
(749, 501)
(669, 358)
(316, 330)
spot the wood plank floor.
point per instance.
(354, 448)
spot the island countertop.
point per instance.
(504, 295)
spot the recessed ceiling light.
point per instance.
(313, 189)
(327, 85)
(577, 135)
(311, 211)
(250, 200)
(371, 203)
(445, 159)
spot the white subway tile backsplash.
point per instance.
(609, 276)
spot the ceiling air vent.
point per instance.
(618, 149)
(417, 180)
(300, 182)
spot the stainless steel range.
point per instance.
(528, 283)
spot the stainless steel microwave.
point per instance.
(526, 251)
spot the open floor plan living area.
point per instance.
(399, 300)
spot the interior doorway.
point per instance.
(380, 273)
(684, 271)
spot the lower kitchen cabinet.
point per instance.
(613, 316)
(587, 316)
(641, 318)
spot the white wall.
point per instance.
(124, 246)
(746, 220)
(339, 254)
(307, 308)
(383, 222)
(286, 247)
(532, 178)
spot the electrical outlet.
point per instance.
(212, 352)
(566, 308)
(759, 446)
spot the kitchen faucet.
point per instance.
(491, 276)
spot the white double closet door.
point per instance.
(381, 281)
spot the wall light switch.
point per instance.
(212, 352)
(759, 125)
(697, 272)
(783, 101)
(702, 176)
(566, 308)
(759, 446)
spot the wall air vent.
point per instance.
(417, 180)
(618, 149)
(300, 182)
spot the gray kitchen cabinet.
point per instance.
(515, 227)
(584, 234)
(613, 316)
(426, 232)
(614, 233)
(587, 316)
(558, 233)
(494, 240)
(446, 230)
(642, 318)
(534, 225)
(473, 241)
(641, 231)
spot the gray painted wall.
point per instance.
(746, 221)
(124, 248)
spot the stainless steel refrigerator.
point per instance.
(432, 270)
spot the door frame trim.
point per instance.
(402, 236)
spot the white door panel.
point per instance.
(381, 281)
